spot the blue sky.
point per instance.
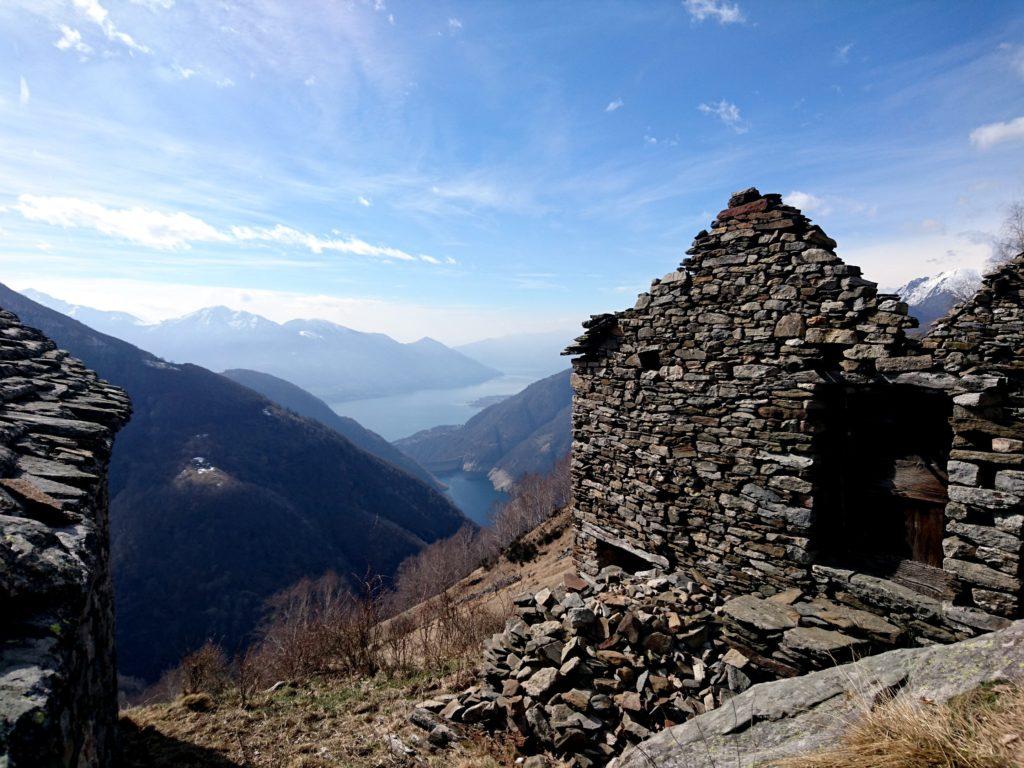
(468, 169)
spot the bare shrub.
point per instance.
(204, 670)
(318, 625)
(533, 499)
(444, 633)
(248, 675)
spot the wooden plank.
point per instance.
(925, 524)
(915, 477)
(926, 579)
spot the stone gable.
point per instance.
(762, 419)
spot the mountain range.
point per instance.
(329, 360)
(525, 433)
(296, 399)
(525, 354)
(929, 298)
(220, 497)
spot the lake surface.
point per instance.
(398, 416)
(474, 495)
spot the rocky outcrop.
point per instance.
(781, 719)
(58, 694)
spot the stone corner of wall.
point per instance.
(58, 684)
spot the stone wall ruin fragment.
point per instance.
(761, 417)
(58, 687)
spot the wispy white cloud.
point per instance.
(155, 5)
(806, 202)
(665, 142)
(24, 94)
(179, 230)
(143, 226)
(1014, 57)
(380, 7)
(614, 105)
(842, 55)
(99, 16)
(479, 191)
(728, 113)
(364, 201)
(353, 245)
(185, 73)
(986, 136)
(826, 205)
(71, 40)
(719, 10)
(454, 24)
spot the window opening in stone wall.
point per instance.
(882, 486)
(650, 360)
(609, 554)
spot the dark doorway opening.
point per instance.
(881, 489)
(609, 554)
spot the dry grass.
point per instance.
(336, 719)
(315, 723)
(980, 729)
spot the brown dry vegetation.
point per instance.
(332, 678)
(318, 722)
(980, 729)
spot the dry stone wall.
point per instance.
(700, 419)
(58, 704)
(723, 430)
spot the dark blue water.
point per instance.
(474, 495)
(398, 416)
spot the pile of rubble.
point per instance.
(599, 663)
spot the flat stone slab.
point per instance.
(817, 641)
(761, 614)
(846, 618)
(772, 721)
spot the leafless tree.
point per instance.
(1011, 237)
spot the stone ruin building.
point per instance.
(771, 474)
(762, 420)
(58, 684)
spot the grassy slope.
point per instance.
(325, 722)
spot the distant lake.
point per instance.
(398, 416)
(474, 495)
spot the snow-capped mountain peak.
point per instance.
(930, 298)
(961, 282)
(224, 317)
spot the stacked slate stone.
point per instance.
(690, 414)
(698, 415)
(981, 343)
(595, 664)
(789, 633)
(58, 703)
